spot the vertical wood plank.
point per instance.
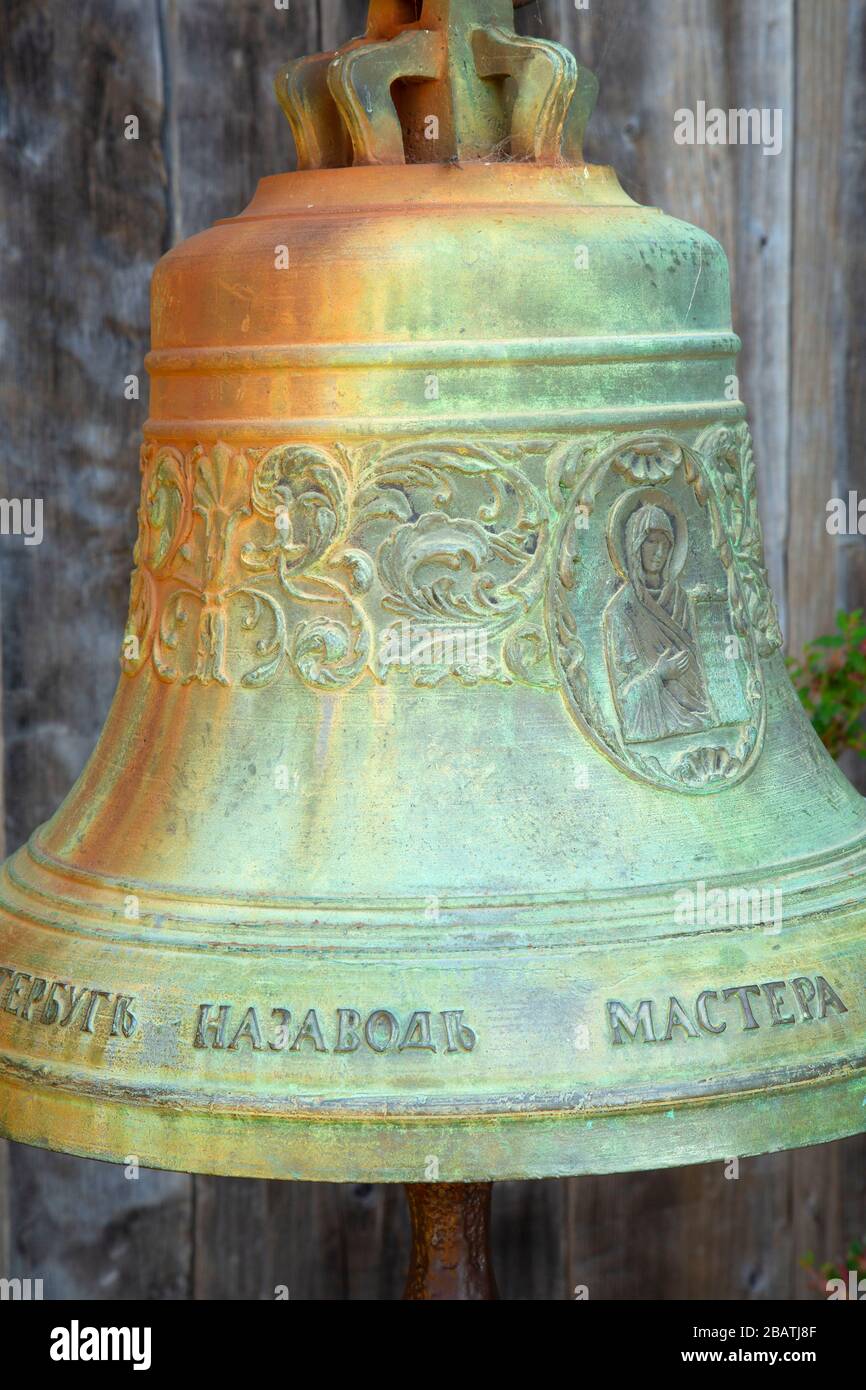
(315, 1241)
(226, 129)
(851, 1211)
(817, 322)
(684, 1233)
(829, 1208)
(850, 365)
(530, 1240)
(5, 1230)
(761, 75)
(370, 1240)
(341, 20)
(90, 1232)
(850, 348)
(85, 216)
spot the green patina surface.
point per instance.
(455, 817)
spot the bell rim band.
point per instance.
(499, 1148)
(530, 1106)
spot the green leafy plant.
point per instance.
(831, 683)
(820, 1275)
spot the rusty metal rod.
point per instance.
(450, 1257)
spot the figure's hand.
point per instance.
(672, 663)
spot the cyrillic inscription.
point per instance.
(775, 1003)
(225, 1027)
(62, 1004)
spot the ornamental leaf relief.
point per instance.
(729, 455)
(434, 559)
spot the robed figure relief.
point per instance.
(651, 639)
(653, 606)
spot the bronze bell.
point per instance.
(455, 818)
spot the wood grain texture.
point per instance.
(850, 350)
(760, 44)
(87, 214)
(817, 316)
(85, 220)
(90, 1232)
(707, 1231)
(224, 128)
(304, 1241)
(5, 1214)
(340, 20)
(531, 1234)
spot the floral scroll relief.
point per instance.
(319, 559)
(737, 529)
(458, 536)
(304, 492)
(212, 520)
(318, 549)
(164, 515)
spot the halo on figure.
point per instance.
(620, 515)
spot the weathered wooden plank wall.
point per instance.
(87, 215)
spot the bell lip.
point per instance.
(493, 1148)
(529, 1105)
